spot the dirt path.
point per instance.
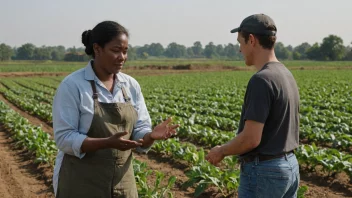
(318, 187)
(18, 179)
(169, 169)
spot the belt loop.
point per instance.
(286, 158)
(256, 160)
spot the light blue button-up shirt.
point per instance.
(73, 110)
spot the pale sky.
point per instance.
(61, 22)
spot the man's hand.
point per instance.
(215, 155)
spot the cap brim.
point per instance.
(235, 30)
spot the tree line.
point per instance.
(330, 49)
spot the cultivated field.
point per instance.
(206, 104)
(52, 66)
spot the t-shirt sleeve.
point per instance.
(258, 100)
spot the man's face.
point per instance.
(246, 49)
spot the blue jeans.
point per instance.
(274, 178)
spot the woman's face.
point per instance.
(113, 55)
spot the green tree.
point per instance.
(197, 49)
(5, 52)
(314, 53)
(131, 53)
(332, 48)
(348, 52)
(300, 51)
(296, 55)
(14, 53)
(156, 49)
(210, 51)
(232, 51)
(42, 53)
(71, 50)
(281, 51)
(220, 50)
(141, 50)
(190, 52)
(25, 52)
(175, 50)
(58, 53)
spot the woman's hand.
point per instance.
(163, 130)
(116, 141)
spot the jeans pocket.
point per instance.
(273, 182)
(247, 186)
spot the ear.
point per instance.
(97, 49)
(252, 41)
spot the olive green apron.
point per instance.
(104, 173)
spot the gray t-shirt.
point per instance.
(272, 98)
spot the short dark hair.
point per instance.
(267, 42)
(101, 34)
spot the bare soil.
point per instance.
(19, 177)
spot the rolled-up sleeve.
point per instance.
(143, 125)
(66, 120)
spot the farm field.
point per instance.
(208, 106)
(52, 66)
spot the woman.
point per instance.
(99, 115)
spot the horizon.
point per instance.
(61, 23)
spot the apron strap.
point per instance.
(125, 96)
(124, 93)
(95, 94)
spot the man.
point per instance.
(269, 126)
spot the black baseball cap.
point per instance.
(257, 24)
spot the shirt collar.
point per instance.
(90, 75)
